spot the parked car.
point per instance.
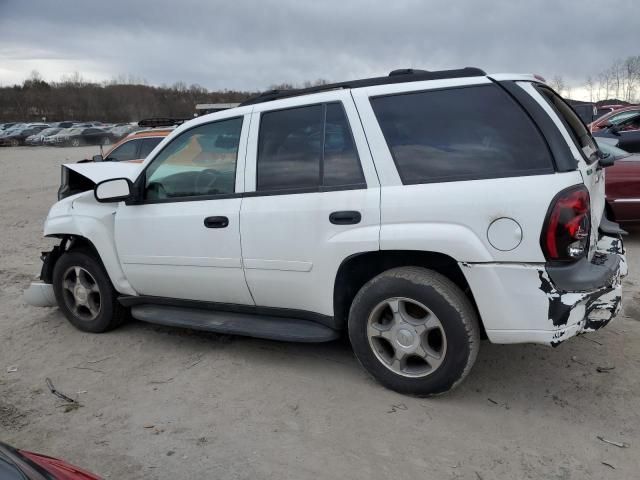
(614, 117)
(17, 136)
(24, 465)
(134, 147)
(587, 111)
(626, 132)
(38, 138)
(77, 136)
(622, 183)
(406, 212)
(65, 124)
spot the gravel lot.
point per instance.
(168, 403)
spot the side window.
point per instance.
(199, 162)
(148, 144)
(126, 151)
(460, 134)
(307, 147)
(581, 136)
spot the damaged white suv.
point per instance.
(417, 212)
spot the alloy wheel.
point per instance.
(81, 293)
(406, 337)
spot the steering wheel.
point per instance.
(206, 179)
(156, 191)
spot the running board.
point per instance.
(285, 329)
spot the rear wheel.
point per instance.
(106, 141)
(414, 331)
(15, 142)
(84, 293)
(75, 142)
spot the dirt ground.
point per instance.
(168, 403)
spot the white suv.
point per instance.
(418, 213)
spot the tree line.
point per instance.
(619, 81)
(118, 100)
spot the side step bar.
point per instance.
(273, 328)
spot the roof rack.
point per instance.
(161, 122)
(396, 76)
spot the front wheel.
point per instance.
(84, 293)
(106, 141)
(414, 331)
(75, 142)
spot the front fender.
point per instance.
(82, 216)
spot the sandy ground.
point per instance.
(168, 403)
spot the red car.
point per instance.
(614, 117)
(622, 184)
(23, 465)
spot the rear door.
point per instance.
(312, 200)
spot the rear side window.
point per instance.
(460, 134)
(126, 151)
(307, 147)
(148, 144)
(577, 129)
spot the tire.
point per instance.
(90, 304)
(429, 345)
(106, 141)
(15, 142)
(75, 142)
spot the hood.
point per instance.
(97, 172)
(81, 177)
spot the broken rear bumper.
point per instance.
(536, 303)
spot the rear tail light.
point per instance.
(566, 231)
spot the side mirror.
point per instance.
(113, 190)
(97, 158)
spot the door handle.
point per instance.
(345, 217)
(216, 222)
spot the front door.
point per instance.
(312, 200)
(183, 240)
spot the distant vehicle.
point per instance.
(38, 138)
(586, 111)
(135, 147)
(622, 183)
(16, 137)
(23, 465)
(11, 125)
(65, 124)
(614, 117)
(627, 132)
(77, 136)
(121, 130)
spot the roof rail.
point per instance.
(161, 122)
(396, 76)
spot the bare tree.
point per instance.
(557, 83)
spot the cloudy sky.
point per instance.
(253, 44)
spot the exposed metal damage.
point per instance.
(588, 311)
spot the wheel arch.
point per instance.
(96, 240)
(358, 269)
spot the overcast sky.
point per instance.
(253, 44)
